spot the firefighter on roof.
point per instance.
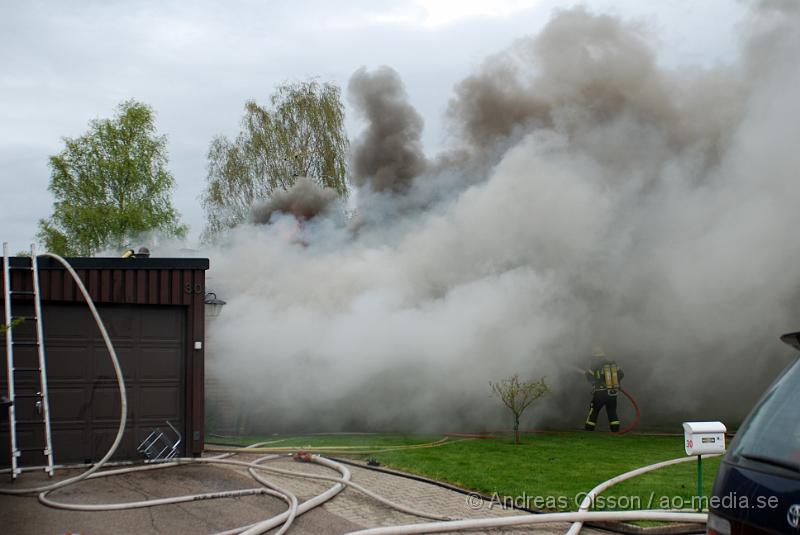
(605, 376)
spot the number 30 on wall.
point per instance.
(190, 288)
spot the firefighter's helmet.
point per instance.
(597, 351)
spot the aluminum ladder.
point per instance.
(39, 399)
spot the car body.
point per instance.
(757, 489)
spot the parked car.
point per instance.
(757, 489)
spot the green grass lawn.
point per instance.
(545, 471)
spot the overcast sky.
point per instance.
(196, 63)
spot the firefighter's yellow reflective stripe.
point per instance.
(615, 422)
(589, 416)
(590, 423)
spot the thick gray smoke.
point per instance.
(304, 200)
(596, 82)
(598, 198)
(388, 155)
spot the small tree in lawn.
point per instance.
(518, 395)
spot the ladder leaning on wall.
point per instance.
(38, 399)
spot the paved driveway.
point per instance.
(350, 510)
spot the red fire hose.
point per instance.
(635, 421)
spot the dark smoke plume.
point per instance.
(388, 155)
(584, 72)
(304, 200)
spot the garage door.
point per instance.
(84, 398)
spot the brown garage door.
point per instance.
(84, 398)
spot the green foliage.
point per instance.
(518, 395)
(110, 185)
(300, 134)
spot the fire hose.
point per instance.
(636, 418)
(334, 450)
(524, 520)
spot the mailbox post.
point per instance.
(703, 438)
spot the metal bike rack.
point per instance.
(160, 447)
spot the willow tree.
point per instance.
(110, 185)
(300, 133)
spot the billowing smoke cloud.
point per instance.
(585, 75)
(388, 155)
(600, 199)
(304, 200)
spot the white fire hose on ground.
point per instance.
(524, 520)
(587, 502)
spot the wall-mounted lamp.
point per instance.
(213, 305)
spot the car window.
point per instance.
(772, 432)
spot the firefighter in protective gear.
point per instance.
(605, 376)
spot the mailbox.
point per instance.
(701, 438)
